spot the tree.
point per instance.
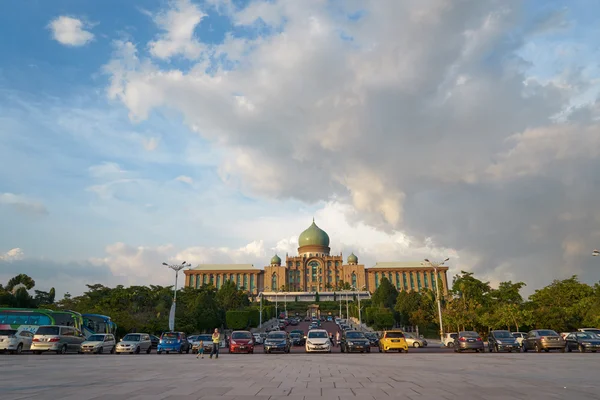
(385, 295)
(20, 279)
(231, 298)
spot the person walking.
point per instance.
(216, 338)
(337, 338)
(200, 349)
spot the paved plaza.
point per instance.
(416, 376)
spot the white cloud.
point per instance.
(185, 179)
(150, 144)
(12, 254)
(23, 204)
(70, 31)
(179, 23)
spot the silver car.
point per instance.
(135, 343)
(414, 341)
(99, 343)
(61, 339)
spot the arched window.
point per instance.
(418, 281)
(197, 281)
(425, 280)
(246, 281)
(291, 276)
(404, 280)
(390, 277)
(274, 281)
(192, 279)
(397, 280)
(329, 276)
(237, 282)
(218, 281)
(314, 269)
(412, 282)
(212, 279)
(204, 277)
(251, 282)
(376, 280)
(353, 279)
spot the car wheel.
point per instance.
(19, 348)
(62, 350)
(381, 351)
(188, 350)
(137, 350)
(100, 350)
(416, 345)
(149, 350)
(562, 350)
(368, 350)
(112, 351)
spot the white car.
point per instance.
(257, 338)
(99, 343)
(519, 336)
(449, 339)
(317, 340)
(135, 343)
(13, 341)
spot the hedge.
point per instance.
(237, 319)
(253, 317)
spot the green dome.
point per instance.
(313, 236)
(276, 260)
(352, 259)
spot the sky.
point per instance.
(137, 133)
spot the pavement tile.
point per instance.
(328, 393)
(270, 391)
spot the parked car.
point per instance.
(294, 322)
(469, 340)
(543, 339)
(351, 341)
(317, 340)
(135, 343)
(373, 338)
(519, 337)
(13, 341)
(414, 341)
(297, 339)
(155, 341)
(173, 342)
(590, 330)
(449, 339)
(62, 339)
(277, 341)
(502, 341)
(100, 343)
(258, 339)
(583, 341)
(241, 342)
(392, 340)
(206, 343)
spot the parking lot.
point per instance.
(415, 375)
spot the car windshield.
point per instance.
(587, 335)
(96, 338)
(371, 335)
(295, 335)
(547, 333)
(454, 335)
(394, 335)
(594, 331)
(317, 335)
(241, 335)
(204, 338)
(170, 335)
(131, 338)
(469, 334)
(7, 332)
(48, 330)
(503, 335)
(517, 335)
(355, 335)
(276, 335)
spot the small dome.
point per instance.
(276, 260)
(352, 259)
(313, 236)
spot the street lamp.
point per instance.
(437, 288)
(176, 268)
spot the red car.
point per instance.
(241, 342)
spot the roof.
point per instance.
(225, 267)
(404, 265)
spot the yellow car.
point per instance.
(393, 340)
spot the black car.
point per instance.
(155, 341)
(583, 341)
(297, 339)
(502, 341)
(294, 322)
(277, 341)
(373, 338)
(354, 341)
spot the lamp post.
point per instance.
(437, 289)
(260, 296)
(176, 268)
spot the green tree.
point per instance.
(231, 298)
(22, 279)
(385, 295)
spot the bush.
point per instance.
(253, 317)
(384, 319)
(237, 319)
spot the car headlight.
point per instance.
(309, 342)
(586, 343)
(350, 343)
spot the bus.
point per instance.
(96, 323)
(30, 319)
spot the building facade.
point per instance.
(315, 269)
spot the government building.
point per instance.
(316, 270)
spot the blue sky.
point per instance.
(239, 130)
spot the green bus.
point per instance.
(30, 319)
